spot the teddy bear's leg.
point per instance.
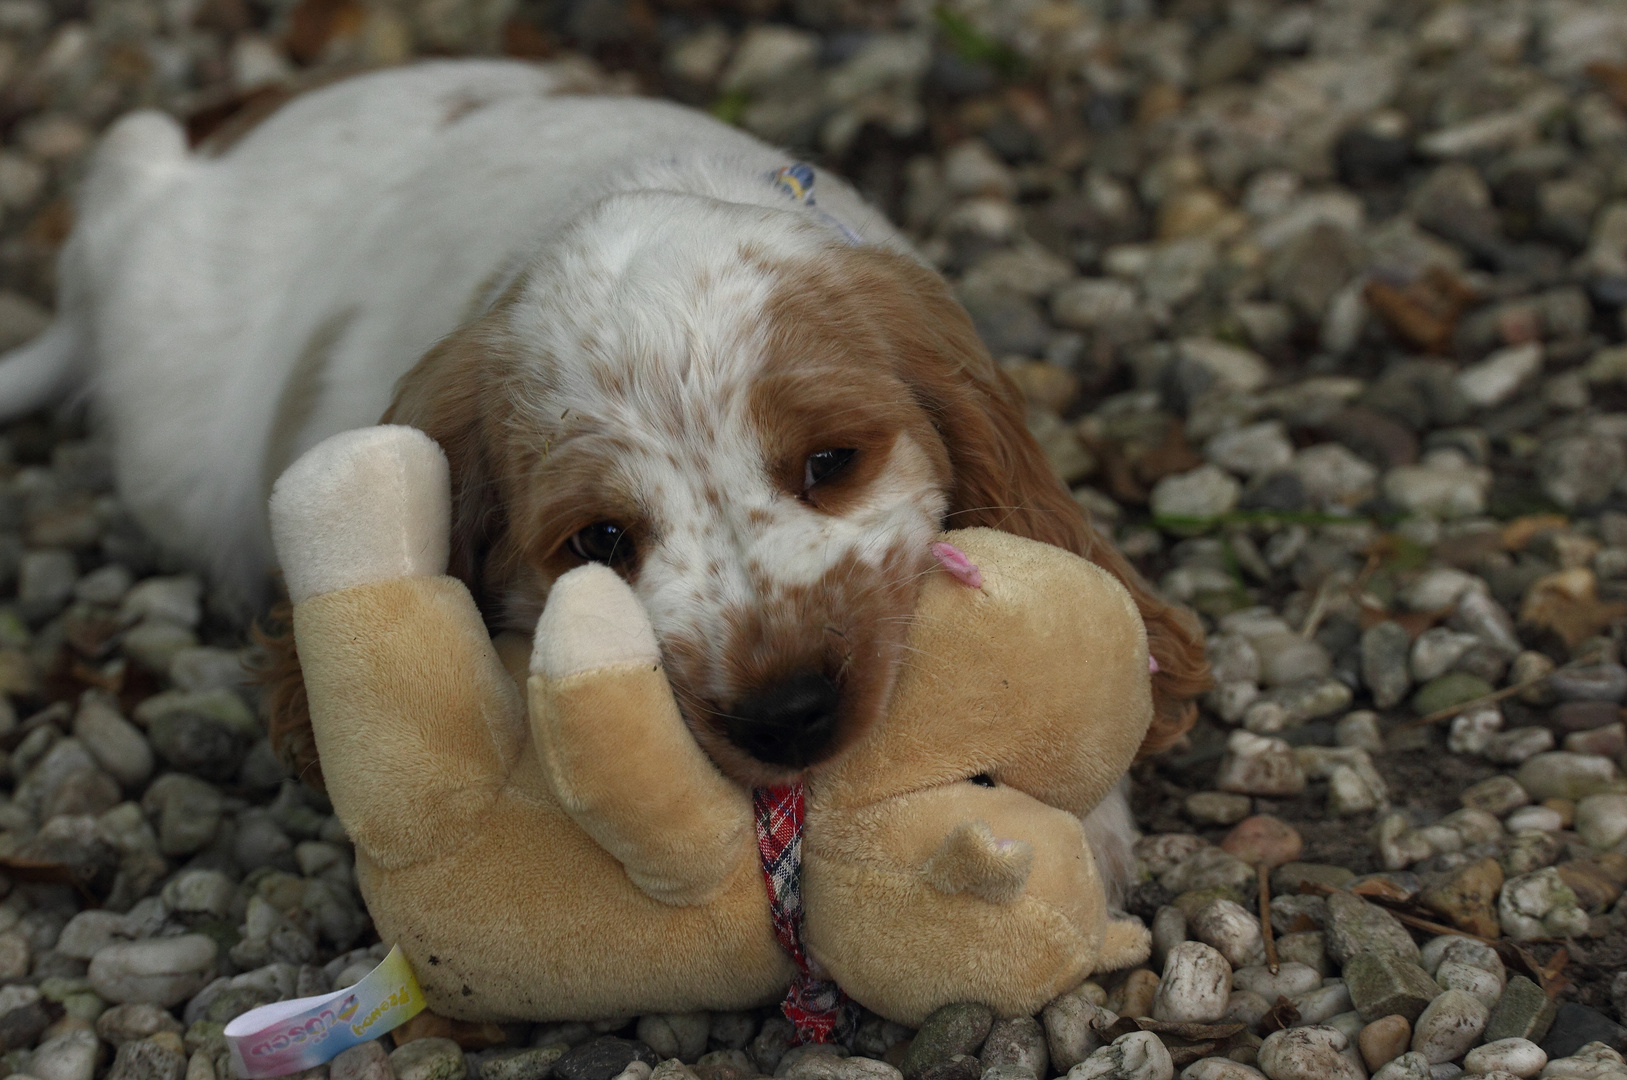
(615, 748)
(415, 719)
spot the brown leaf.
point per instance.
(1612, 79)
(1424, 313)
(313, 24)
(1279, 1017)
(1567, 603)
(1189, 1031)
(1518, 534)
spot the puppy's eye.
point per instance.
(824, 464)
(983, 779)
(602, 542)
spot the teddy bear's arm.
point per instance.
(414, 717)
(616, 751)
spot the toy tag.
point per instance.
(288, 1036)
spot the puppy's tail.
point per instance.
(41, 372)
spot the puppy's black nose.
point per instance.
(790, 723)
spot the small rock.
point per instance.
(1409, 1066)
(1219, 1068)
(1263, 839)
(1259, 765)
(1073, 1025)
(1384, 1040)
(675, 1035)
(138, 1020)
(1217, 807)
(370, 1061)
(1018, 1043)
(1560, 775)
(1139, 1055)
(1448, 691)
(1495, 795)
(1469, 899)
(68, 1056)
(164, 971)
(1540, 904)
(1383, 984)
(145, 1059)
(1230, 928)
(22, 1017)
(436, 1058)
(1451, 1024)
(1196, 984)
(954, 1029)
(1200, 495)
(1307, 1053)
(1601, 820)
(1575, 1026)
(1291, 980)
(1521, 1057)
(1355, 926)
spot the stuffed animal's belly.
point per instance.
(496, 935)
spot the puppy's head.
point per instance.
(761, 427)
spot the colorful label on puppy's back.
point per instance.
(289, 1036)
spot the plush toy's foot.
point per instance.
(592, 621)
(1126, 944)
(362, 507)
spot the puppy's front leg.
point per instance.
(616, 751)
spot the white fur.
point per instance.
(361, 507)
(364, 222)
(380, 206)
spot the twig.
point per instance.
(1496, 695)
(1265, 918)
(1319, 609)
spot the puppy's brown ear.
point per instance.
(1001, 480)
(456, 395)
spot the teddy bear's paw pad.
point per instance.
(1125, 944)
(972, 859)
(592, 620)
(362, 507)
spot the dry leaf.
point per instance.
(1568, 604)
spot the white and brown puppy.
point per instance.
(639, 340)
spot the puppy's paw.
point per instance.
(362, 507)
(971, 859)
(592, 620)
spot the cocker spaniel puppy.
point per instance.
(642, 337)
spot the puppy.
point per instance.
(642, 337)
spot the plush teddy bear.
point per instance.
(566, 851)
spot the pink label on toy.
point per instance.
(290, 1036)
(959, 567)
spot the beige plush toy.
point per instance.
(567, 851)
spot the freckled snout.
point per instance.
(790, 723)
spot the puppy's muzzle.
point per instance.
(791, 723)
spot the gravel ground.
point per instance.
(1320, 309)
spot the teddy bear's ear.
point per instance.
(592, 620)
(362, 507)
(971, 859)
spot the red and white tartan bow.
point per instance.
(816, 1007)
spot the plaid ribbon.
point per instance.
(817, 1008)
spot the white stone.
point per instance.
(68, 1056)
(1252, 450)
(1449, 1026)
(1521, 1057)
(118, 746)
(1333, 476)
(1535, 818)
(1232, 929)
(1196, 983)
(1472, 732)
(1234, 368)
(1139, 1055)
(1601, 820)
(163, 971)
(1205, 492)
(1307, 1053)
(1291, 980)
(1493, 380)
(1219, 1068)
(1325, 1002)
(1437, 650)
(1486, 986)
